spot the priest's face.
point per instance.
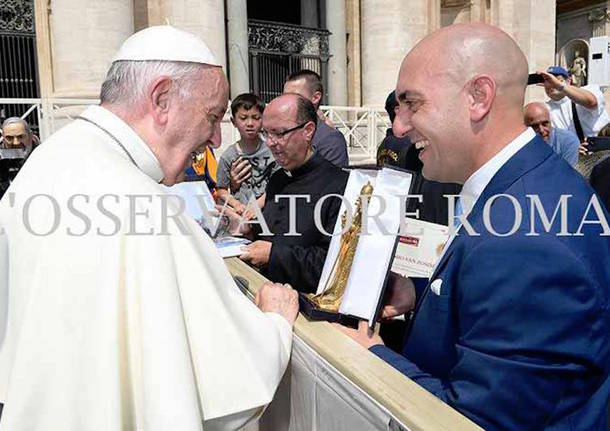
(288, 140)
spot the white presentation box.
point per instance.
(375, 250)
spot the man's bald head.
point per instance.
(536, 108)
(538, 117)
(295, 106)
(461, 92)
(468, 50)
(289, 123)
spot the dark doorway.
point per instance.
(279, 45)
(284, 11)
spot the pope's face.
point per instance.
(432, 114)
(196, 123)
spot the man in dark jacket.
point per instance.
(600, 181)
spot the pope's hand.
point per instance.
(400, 296)
(363, 335)
(257, 253)
(278, 298)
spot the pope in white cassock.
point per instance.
(116, 312)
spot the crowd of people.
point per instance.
(511, 330)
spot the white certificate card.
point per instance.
(420, 245)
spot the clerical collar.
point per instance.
(314, 161)
(129, 140)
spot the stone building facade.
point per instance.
(363, 41)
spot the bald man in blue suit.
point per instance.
(513, 328)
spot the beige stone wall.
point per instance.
(455, 15)
(204, 18)
(77, 38)
(83, 37)
(532, 25)
(389, 30)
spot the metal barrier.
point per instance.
(363, 128)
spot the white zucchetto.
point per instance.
(165, 43)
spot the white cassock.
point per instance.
(122, 322)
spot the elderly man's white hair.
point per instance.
(127, 81)
(17, 120)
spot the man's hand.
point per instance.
(280, 299)
(257, 253)
(400, 296)
(551, 80)
(582, 149)
(234, 220)
(363, 335)
(241, 170)
(580, 96)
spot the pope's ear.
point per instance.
(159, 98)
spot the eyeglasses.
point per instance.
(281, 135)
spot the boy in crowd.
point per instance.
(246, 166)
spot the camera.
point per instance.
(11, 160)
(535, 78)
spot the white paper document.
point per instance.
(419, 248)
(198, 203)
(231, 246)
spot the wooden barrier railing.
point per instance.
(406, 401)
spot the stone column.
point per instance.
(354, 75)
(84, 36)
(532, 25)
(389, 30)
(477, 11)
(607, 24)
(337, 65)
(237, 22)
(434, 15)
(205, 18)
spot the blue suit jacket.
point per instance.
(519, 336)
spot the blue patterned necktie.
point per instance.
(458, 212)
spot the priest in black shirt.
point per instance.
(295, 254)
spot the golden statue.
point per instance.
(330, 298)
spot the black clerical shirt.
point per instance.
(299, 259)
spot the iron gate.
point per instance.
(18, 66)
(277, 50)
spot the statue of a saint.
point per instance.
(330, 298)
(578, 70)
